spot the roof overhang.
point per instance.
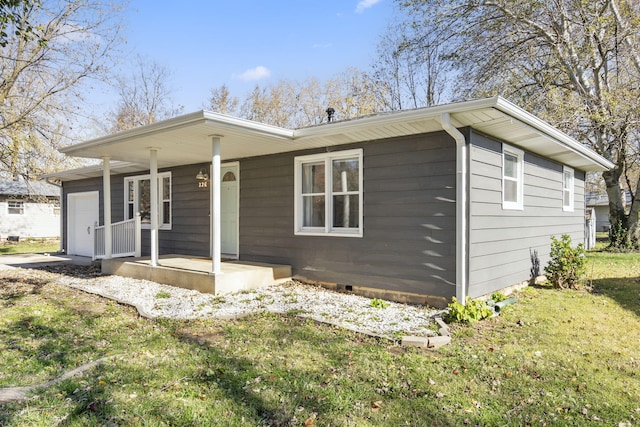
(187, 139)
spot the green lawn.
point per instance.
(29, 246)
(553, 358)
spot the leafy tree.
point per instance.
(49, 52)
(12, 14)
(575, 63)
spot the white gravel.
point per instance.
(353, 312)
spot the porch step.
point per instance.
(194, 273)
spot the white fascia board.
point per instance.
(139, 131)
(559, 136)
(215, 120)
(427, 113)
(248, 125)
(93, 171)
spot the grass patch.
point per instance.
(163, 294)
(557, 357)
(29, 246)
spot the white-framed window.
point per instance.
(137, 198)
(512, 178)
(567, 189)
(15, 207)
(328, 194)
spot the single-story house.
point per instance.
(600, 204)
(425, 204)
(29, 209)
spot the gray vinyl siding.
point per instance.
(189, 234)
(502, 241)
(409, 219)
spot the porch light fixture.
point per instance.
(202, 175)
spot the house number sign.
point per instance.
(202, 184)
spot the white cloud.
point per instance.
(366, 4)
(257, 73)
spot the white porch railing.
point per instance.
(125, 239)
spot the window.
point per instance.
(567, 189)
(138, 199)
(512, 178)
(328, 190)
(15, 207)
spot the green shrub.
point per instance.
(498, 296)
(621, 238)
(472, 311)
(567, 265)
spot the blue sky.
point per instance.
(243, 42)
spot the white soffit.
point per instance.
(187, 139)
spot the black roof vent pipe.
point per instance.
(330, 112)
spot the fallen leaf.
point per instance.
(375, 406)
(311, 421)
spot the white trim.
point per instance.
(191, 119)
(135, 179)
(519, 154)
(216, 252)
(153, 201)
(106, 214)
(571, 189)
(328, 229)
(22, 206)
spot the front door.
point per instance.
(229, 210)
(82, 216)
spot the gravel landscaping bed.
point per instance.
(154, 300)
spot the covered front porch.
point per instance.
(194, 273)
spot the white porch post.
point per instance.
(106, 189)
(216, 217)
(153, 189)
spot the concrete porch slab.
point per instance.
(194, 273)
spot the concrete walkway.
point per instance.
(38, 260)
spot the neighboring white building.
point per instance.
(29, 209)
(600, 202)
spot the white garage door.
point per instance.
(82, 214)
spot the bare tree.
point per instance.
(294, 104)
(409, 71)
(574, 63)
(145, 97)
(43, 74)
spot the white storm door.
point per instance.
(83, 213)
(229, 202)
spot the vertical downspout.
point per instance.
(461, 206)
